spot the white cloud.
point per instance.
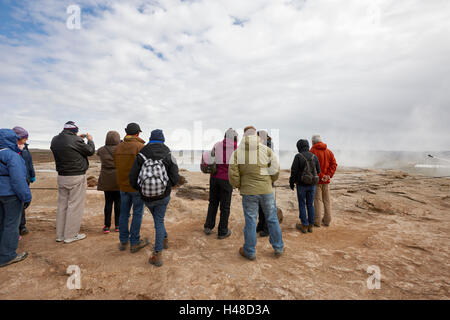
(364, 74)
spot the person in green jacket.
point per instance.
(253, 168)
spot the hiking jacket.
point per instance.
(107, 180)
(70, 153)
(13, 172)
(327, 161)
(124, 157)
(155, 151)
(253, 167)
(299, 164)
(222, 150)
(26, 155)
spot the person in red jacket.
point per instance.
(328, 167)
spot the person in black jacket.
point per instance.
(70, 153)
(305, 193)
(156, 150)
(22, 135)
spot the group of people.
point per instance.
(134, 174)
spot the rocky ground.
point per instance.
(395, 221)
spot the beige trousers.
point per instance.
(71, 201)
(322, 200)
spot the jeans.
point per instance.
(10, 214)
(128, 199)
(158, 210)
(220, 192)
(305, 196)
(112, 198)
(250, 204)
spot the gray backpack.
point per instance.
(309, 175)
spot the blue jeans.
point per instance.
(250, 204)
(128, 199)
(10, 214)
(305, 196)
(158, 210)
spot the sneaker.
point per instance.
(241, 251)
(123, 246)
(59, 239)
(23, 231)
(20, 257)
(136, 247)
(207, 231)
(278, 253)
(224, 235)
(263, 234)
(79, 236)
(20, 238)
(116, 229)
(156, 259)
(106, 230)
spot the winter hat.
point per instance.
(21, 133)
(157, 135)
(316, 138)
(71, 126)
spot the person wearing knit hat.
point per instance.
(157, 135)
(71, 158)
(22, 136)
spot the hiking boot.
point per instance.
(316, 225)
(59, 239)
(23, 231)
(20, 257)
(156, 259)
(301, 227)
(223, 236)
(263, 234)
(241, 251)
(325, 224)
(310, 228)
(136, 247)
(278, 253)
(79, 236)
(106, 230)
(207, 231)
(123, 246)
(166, 243)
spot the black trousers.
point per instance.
(220, 192)
(112, 198)
(23, 220)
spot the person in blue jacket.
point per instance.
(14, 195)
(22, 134)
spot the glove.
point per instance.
(32, 179)
(292, 187)
(26, 205)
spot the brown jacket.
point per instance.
(124, 157)
(108, 177)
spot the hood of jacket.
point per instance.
(112, 138)
(8, 139)
(302, 145)
(319, 146)
(132, 138)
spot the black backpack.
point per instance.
(309, 175)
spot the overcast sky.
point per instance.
(372, 75)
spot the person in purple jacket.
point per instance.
(220, 190)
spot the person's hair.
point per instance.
(316, 139)
(231, 134)
(248, 128)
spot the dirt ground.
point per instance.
(389, 219)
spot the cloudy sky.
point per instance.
(372, 75)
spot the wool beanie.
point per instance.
(21, 132)
(157, 135)
(71, 126)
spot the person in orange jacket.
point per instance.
(328, 167)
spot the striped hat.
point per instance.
(71, 126)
